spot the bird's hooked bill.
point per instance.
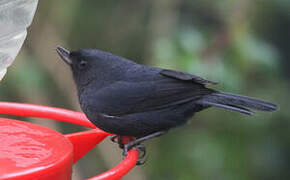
(64, 54)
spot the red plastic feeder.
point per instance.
(30, 151)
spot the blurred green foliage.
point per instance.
(243, 45)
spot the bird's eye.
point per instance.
(82, 64)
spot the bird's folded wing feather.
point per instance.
(123, 97)
(185, 76)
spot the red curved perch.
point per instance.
(58, 114)
(87, 139)
(121, 169)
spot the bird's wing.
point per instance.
(185, 76)
(123, 97)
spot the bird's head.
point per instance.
(83, 64)
(89, 65)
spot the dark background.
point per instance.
(242, 44)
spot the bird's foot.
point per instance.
(135, 143)
(141, 149)
(114, 139)
(117, 139)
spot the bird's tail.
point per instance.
(236, 102)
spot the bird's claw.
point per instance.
(141, 149)
(114, 139)
(117, 139)
(142, 153)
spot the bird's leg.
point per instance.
(137, 142)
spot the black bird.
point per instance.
(129, 99)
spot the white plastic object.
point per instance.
(15, 17)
